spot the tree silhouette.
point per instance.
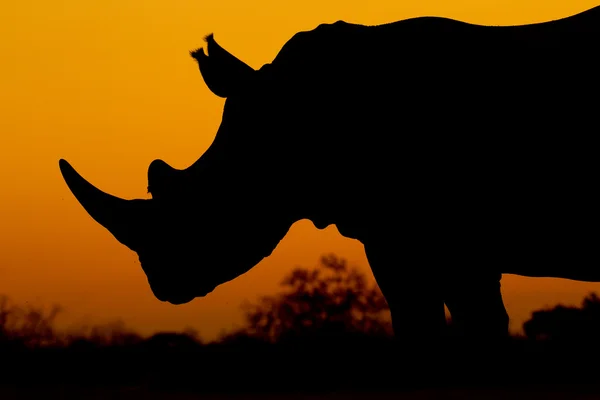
(567, 324)
(330, 300)
(110, 334)
(28, 326)
(34, 327)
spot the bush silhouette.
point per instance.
(567, 324)
(28, 327)
(330, 313)
(33, 327)
(331, 300)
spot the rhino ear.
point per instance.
(222, 72)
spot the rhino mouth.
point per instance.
(171, 282)
(174, 298)
(175, 292)
(176, 270)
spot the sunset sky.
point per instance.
(109, 86)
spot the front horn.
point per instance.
(124, 219)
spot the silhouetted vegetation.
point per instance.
(333, 300)
(327, 327)
(26, 327)
(567, 324)
(33, 327)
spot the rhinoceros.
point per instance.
(453, 152)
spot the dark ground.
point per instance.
(127, 393)
(328, 370)
(334, 358)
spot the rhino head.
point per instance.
(206, 224)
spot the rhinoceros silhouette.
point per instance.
(454, 152)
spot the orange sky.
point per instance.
(109, 86)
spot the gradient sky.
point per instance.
(109, 86)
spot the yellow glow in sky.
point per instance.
(109, 85)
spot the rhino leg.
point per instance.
(475, 304)
(413, 294)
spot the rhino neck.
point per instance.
(271, 189)
(347, 216)
(329, 200)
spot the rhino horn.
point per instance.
(124, 219)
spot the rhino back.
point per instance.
(478, 137)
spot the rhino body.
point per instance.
(454, 152)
